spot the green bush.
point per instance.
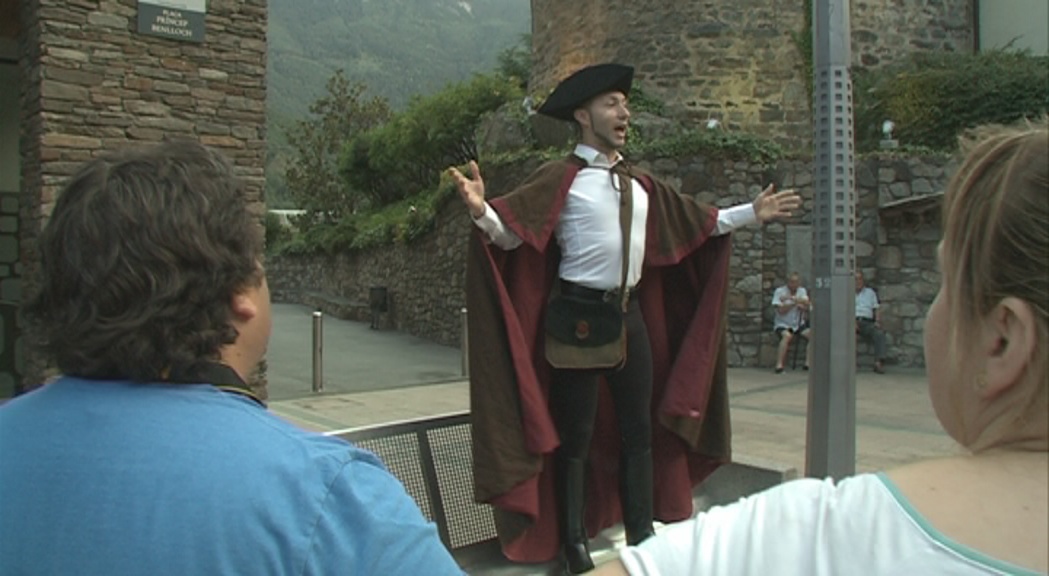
(400, 222)
(406, 155)
(515, 63)
(641, 101)
(276, 233)
(934, 97)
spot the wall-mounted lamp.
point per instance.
(887, 141)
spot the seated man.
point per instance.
(792, 305)
(150, 454)
(868, 321)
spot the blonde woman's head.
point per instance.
(988, 331)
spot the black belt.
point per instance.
(580, 291)
(862, 319)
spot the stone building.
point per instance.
(80, 77)
(740, 61)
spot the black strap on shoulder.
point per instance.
(218, 375)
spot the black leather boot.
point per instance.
(635, 493)
(571, 502)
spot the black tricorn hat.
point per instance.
(576, 90)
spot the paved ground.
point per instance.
(373, 377)
(895, 423)
(355, 357)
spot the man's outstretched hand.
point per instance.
(471, 190)
(772, 205)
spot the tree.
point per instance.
(516, 61)
(312, 176)
(407, 155)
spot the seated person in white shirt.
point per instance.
(791, 303)
(868, 321)
(588, 234)
(986, 351)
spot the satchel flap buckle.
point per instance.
(582, 330)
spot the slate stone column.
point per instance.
(93, 83)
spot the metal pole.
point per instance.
(465, 345)
(318, 351)
(831, 434)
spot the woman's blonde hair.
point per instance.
(996, 230)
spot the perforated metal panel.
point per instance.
(432, 457)
(400, 454)
(468, 521)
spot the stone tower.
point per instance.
(735, 60)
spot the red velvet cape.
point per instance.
(682, 297)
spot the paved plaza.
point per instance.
(374, 377)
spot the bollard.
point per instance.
(318, 351)
(466, 348)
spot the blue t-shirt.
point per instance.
(100, 477)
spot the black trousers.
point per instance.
(574, 394)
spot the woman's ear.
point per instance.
(1009, 341)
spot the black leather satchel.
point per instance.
(582, 333)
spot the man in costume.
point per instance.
(558, 233)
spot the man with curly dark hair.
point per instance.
(150, 453)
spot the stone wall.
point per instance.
(897, 232)
(93, 84)
(730, 60)
(423, 281)
(883, 31)
(733, 60)
(900, 250)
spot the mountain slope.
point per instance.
(398, 48)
